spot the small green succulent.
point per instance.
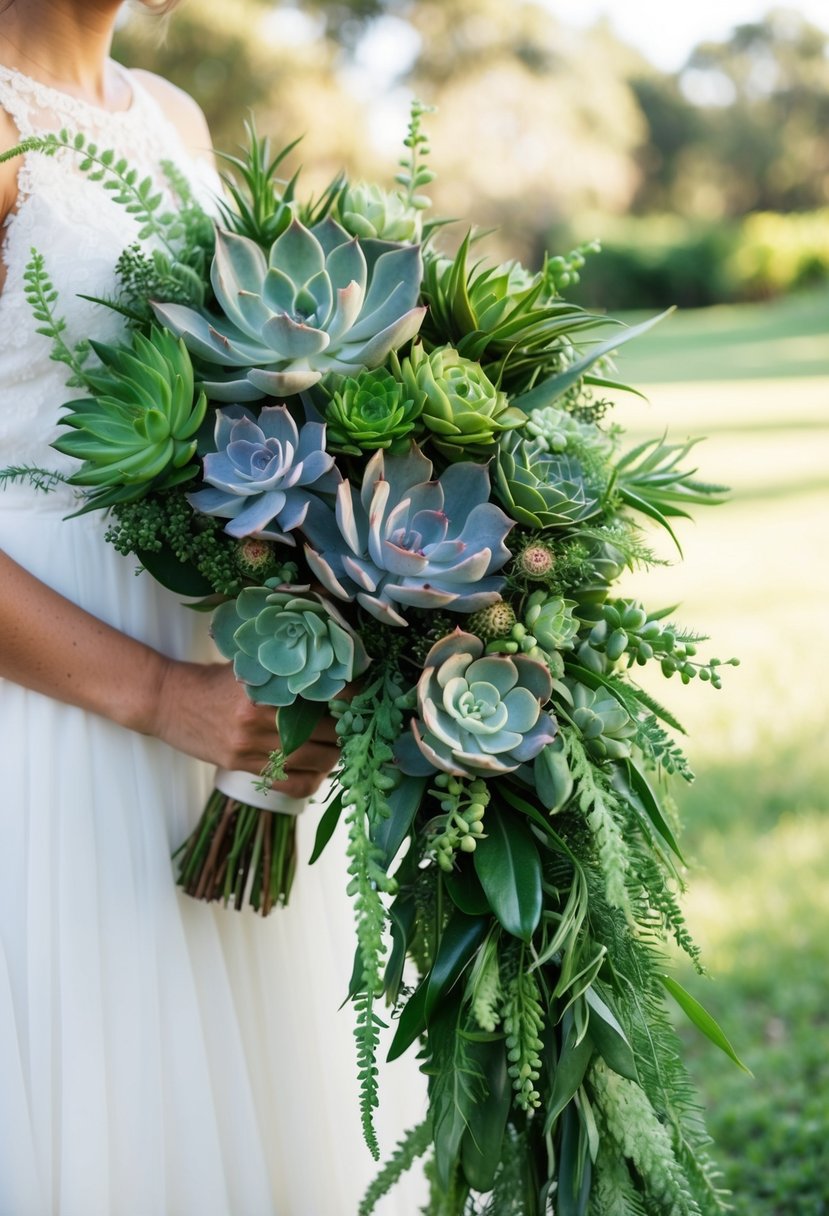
(287, 643)
(541, 489)
(461, 406)
(551, 620)
(370, 411)
(137, 432)
(605, 726)
(367, 210)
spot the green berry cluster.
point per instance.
(464, 805)
(166, 521)
(561, 272)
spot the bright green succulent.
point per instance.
(319, 301)
(501, 316)
(461, 406)
(138, 431)
(368, 210)
(605, 726)
(287, 643)
(540, 489)
(370, 411)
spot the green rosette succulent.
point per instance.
(368, 210)
(137, 432)
(550, 620)
(286, 643)
(605, 726)
(478, 715)
(462, 408)
(541, 489)
(371, 411)
(317, 301)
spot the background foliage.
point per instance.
(547, 133)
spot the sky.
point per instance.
(665, 32)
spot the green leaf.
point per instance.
(459, 941)
(609, 1038)
(296, 723)
(403, 803)
(509, 867)
(551, 389)
(702, 1019)
(465, 890)
(487, 1118)
(570, 1070)
(574, 1168)
(638, 783)
(181, 577)
(327, 826)
(402, 920)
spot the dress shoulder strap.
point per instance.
(18, 101)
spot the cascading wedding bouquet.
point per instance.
(376, 462)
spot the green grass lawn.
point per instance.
(756, 577)
(783, 338)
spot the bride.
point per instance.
(157, 1057)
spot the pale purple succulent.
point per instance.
(262, 472)
(407, 541)
(479, 715)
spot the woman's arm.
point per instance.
(52, 646)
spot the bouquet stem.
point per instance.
(240, 853)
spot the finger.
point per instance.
(313, 757)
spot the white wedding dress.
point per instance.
(158, 1057)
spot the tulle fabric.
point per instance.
(158, 1057)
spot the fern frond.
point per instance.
(414, 1144)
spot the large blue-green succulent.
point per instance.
(286, 642)
(407, 540)
(479, 715)
(320, 301)
(262, 472)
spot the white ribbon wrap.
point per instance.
(241, 787)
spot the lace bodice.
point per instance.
(80, 231)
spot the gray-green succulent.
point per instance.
(318, 302)
(367, 210)
(541, 489)
(605, 726)
(550, 619)
(287, 642)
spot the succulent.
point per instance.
(370, 411)
(287, 642)
(138, 432)
(407, 540)
(551, 620)
(320, 302)
(479, 715)
(259, 560)
(461, 406)
(541, 489)
(535, 561)
(605, 726)
(263, 471)
(499, 315)
(367, 210)
(559, 431)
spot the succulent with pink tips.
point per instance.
(478, 715)
(405, 540)
(319, 302)
(261, 476)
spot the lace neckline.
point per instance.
(66, 104)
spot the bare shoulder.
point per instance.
(183, 112)
(9, 136)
